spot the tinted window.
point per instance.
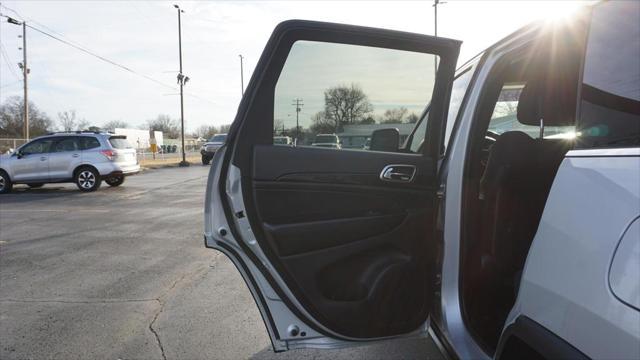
(218, 138)
(610, 104)
(89, 142)
(119, 143)
(460, 85)
(37, 147)
(350, 91)
(66, 144)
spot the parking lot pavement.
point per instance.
(122, 273)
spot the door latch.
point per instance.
(398, 173)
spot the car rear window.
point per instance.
(328, 139)
(120, 143)
(88, 142)
(218, 138)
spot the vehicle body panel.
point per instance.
(566, 285)
(32, 167)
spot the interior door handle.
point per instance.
(398, 173)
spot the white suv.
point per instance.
(82, 157)
(506, 225)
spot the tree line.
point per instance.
(346, 105)
(12, 122)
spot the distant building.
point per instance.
(140, 139)
(355, 136)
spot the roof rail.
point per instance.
(76, 132)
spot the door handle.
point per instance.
(76, 155)
(398, 173)
(43, 158)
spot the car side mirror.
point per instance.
(385, 140)
(18, 154)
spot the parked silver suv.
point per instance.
(85, 158)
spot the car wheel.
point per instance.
(115, 180)
(35, 186)
(205, 160)
(5, 183)
(87, 179)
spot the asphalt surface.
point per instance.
(122, 273)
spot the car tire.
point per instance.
(35, 186)
(205, 160)
(5, 183)
(87, 179)
(114, 180)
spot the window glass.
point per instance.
(610, 103)
(460, 85)
(89, 142)
(336, 95)
(119, 143)
(66, 144)
(219, 138)
(37, 147)
(504, 117)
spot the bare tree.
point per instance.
(206, 131)
(346, 105)
(321, 124)
(224, 129)
(166, 124)
(113, 124)
(67, 120)
(12, 119)
(412, 118)
(394, 116)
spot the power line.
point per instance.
(10, 84)
(6, 60)
(63, 39)
(86, 51)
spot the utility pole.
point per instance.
(298, 104)
(241, 75)
(25, 73)
(181, 80)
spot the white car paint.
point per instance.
(565, 284)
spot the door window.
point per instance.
(66, 144)
(88, 142)
(37, 147)
(610, 104)
(336, 95)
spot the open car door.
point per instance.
(335, 240)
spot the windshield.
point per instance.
(327, 139)
(120, 143)
(218, 138)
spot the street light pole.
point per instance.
(241, 75)
(181, 80)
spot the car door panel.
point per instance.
(31, 167)
(332, 252)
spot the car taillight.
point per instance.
(109, 154)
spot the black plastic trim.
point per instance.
(539, 338)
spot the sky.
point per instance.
(143, 36)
